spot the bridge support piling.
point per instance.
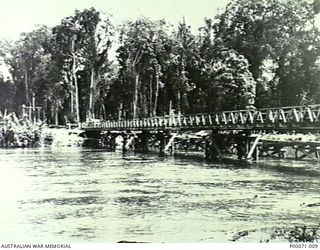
(170, 144)
(212, 150)
(243, 145)
(109, 141)
(162, 136)
(142, 143)
(254, 149)
(124, 141)
(145, 135)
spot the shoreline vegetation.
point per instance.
(23, 133)
(296, 234)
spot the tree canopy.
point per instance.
(253, 54)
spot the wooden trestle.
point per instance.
(241, 131)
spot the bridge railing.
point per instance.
(283, 116)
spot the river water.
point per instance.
(86, 195)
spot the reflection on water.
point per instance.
(81, 195)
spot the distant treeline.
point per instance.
(260, 53)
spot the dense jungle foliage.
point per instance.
(255, 53)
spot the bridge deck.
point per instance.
(294, 117)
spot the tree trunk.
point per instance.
(150, 112)
(75, 82)
(120, 111)
(92, 92)
(56, 109)
(77, 98)
(135, 100)
(68, 79)
(26, 86)
(281, 86)
(33, 108)
(104, 111)
(76, 90)
(72, 101)
(156, 96)
(144, 100)
(179, 101)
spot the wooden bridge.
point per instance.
(244, 130)
(283, 118)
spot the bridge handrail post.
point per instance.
(144, 122)
(224, 118)
(250, 117)
(217, 119)
(190, 120)
(232, 116)
(204, 120)
(310, 115)
(210, 119)
(197, 120)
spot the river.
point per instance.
(86, 195)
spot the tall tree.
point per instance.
(271, 31)
(141, 55)
(96, 30)
(29, 64)
(82, 44)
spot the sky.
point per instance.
(19, 16)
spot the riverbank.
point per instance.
(298, 233)
(15, 132)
